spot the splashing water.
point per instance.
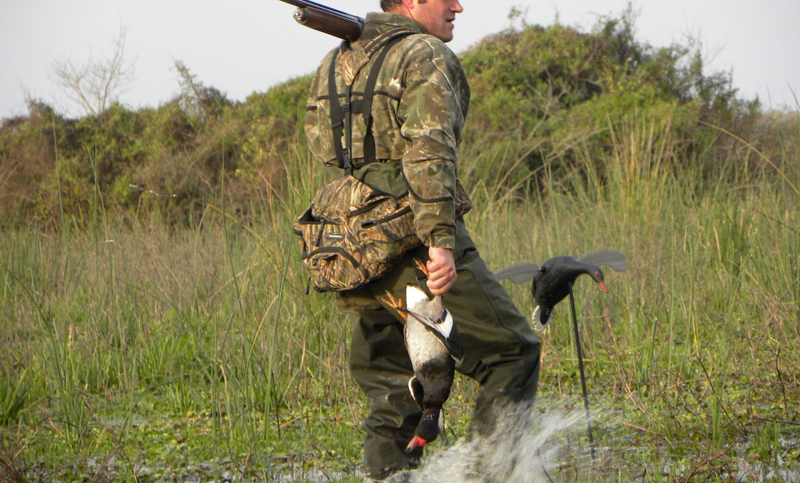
(531, 443)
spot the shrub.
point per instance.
(542, 98)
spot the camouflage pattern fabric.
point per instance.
(418, 112)
(352, 234)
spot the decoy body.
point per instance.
(433, 344)
(551, 280)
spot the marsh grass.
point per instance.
(150, 351)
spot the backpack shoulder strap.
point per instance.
(341, 114)
(337, 117)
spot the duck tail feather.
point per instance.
(541, 317)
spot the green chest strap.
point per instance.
(342, 114)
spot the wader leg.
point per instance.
(501, 350)
(379, 363)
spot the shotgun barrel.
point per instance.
(328, 20)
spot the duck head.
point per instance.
(427, 430)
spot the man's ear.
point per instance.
(409, 4)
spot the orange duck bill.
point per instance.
(416, 442)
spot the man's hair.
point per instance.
(388, 5)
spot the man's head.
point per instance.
(435, 16)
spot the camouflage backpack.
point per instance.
(353, 234)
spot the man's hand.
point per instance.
(441, 270)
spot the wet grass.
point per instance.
(148, 353)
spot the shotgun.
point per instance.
(328, 20)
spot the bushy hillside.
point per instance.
(542, 98)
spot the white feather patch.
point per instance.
(447, 326)
(415, 296)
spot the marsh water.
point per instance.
(548, 442)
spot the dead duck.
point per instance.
(433, 345)
(551, 280)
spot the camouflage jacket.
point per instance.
(418, 113)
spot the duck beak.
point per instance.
(415, 443)
(603, 286)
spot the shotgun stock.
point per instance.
(328, 20)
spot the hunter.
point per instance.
(407, 144)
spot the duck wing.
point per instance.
(444, 328)
(518, 273)
(608, 257)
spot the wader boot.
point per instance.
(501, 352)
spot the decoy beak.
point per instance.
(603, 286)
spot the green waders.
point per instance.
(501, 352)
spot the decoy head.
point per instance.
(597, 275)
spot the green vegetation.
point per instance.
(149, 337)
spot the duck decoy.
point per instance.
(552, 282)
(433, 345)
(553, 279)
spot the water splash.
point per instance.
(531, 443)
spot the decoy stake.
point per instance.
(580, 366)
